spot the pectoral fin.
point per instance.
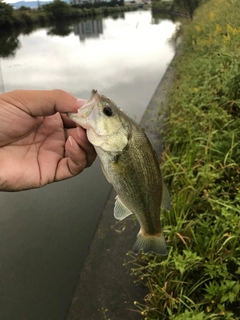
(166, 200)
(120, 210)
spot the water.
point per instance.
(45, 234)
(123, 58)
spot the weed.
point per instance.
(200, 277)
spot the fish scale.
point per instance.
(139, 184)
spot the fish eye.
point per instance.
(107, 111)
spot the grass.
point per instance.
(200, 277)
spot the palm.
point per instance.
(33, 150)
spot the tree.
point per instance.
(6, 12)
(188, 5)
(9, 43)
(57, 9)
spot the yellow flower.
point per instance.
(198, 28)
(195, 89)
(211, 16)
(232, 30)
(218, 28)
(226, 38)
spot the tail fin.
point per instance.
(147, 244)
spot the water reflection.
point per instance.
(9, 43)
(60, 29)
(89, 29)
(1, 80)
(124, 59)
(158, 16)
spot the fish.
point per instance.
(131, 165)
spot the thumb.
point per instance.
(43, 102)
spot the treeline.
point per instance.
(56, 11)
(112, 3)
(185, 7)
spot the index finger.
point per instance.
(43, 102)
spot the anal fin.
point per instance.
(120, 210)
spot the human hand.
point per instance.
(39, 144)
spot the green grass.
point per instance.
(200, 277)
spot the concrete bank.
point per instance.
(106, 289)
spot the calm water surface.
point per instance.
(123, 58)
(45, 234)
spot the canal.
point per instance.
(45, 234)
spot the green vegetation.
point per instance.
(53, 12)
(161, 5)
(181, 6)
(200, 277)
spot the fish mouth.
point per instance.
(75, 117)
(82, 116)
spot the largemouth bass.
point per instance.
(130, 164)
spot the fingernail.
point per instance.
(81, 102)
(70, 140)
(79, 132)
(73, 143)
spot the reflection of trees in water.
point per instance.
(118, 15)
(175, 39)
(60, 29)
(157, 17)
(9, 43)
(27, 29)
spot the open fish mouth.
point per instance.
(84, 114)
